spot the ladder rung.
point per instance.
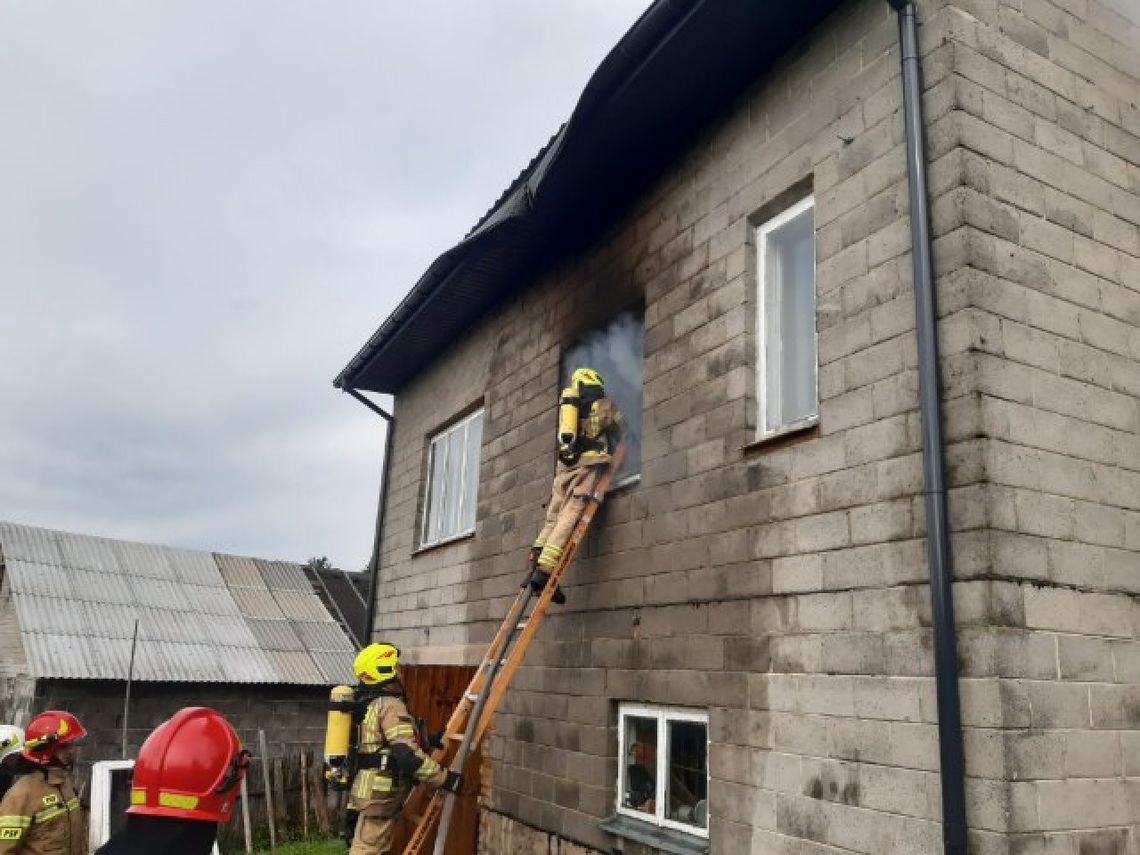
(455, 737)
(522, 624)
(471, 696)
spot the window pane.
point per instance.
(639, 791)
(438, 488)
(453, 482)
(789, 322)
(471, 472)
(687, 784)
(616, 352)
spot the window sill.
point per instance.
(788, 435)
(431, 547)
(665, 839)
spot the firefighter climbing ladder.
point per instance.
(471, 718)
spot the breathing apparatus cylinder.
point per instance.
(568, 418)
(338, 736)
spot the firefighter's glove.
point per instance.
(435, 740)
(453, 782)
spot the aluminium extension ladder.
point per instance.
(471, 718)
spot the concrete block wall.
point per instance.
(1044, 229)
(782, 587)
(293, 717)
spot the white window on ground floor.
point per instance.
(664, 769)
(452, 481)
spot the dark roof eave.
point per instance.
(668, 77)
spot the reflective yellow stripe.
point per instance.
(401, 730)
(15, 821)
(138, 797)
(382, 784)
(429, 768)
(49, 814)
(178, 800)
(364, 785)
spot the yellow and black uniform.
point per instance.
(599, 432)
(40, 815)
(391, 762)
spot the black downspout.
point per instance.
(953, 767)
(374, 562)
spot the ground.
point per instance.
(312, 847)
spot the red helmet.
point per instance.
(189, 768)
(47, 733)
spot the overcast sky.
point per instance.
(206, 207)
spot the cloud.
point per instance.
(206, 208)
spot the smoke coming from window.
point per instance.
(616, 352)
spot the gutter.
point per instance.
(939, 560)
(385, 477)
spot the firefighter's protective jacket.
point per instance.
(380, 790)
(40, 815)
(599, 432)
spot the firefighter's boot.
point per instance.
(538, 579)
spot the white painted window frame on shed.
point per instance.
(774, 293)
(663, 715)
(449, 477)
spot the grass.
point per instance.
(311, 847)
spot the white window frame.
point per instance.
(663, 715)
(425, 522)
(762, 233)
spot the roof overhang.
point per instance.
(675, 71)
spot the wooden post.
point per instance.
(268, 791)
(305, 793)
(320, 802)
(245, 823)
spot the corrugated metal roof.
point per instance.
(34, 545)
(201, 617)
(298, 606)
(238, 571)
(276, 635)
(280, 576)
(336, 668)
(323, 636)
(143, 560)
(296, 667)
(258, 604)
(88, 553)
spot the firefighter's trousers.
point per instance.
(573, 486)
(374, 835)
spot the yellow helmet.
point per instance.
(376, 663)
(586, 377)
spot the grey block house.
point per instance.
(750, 659)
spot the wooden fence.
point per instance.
(302, 806)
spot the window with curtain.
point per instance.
(452, 481)
(788, 362)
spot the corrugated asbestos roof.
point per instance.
(677, 69)
(203, 617)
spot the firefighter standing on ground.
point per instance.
(389, 758)
(40, 814)
(589, 429)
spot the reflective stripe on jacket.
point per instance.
(387, 722)
(40, 815)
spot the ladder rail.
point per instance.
(495, 672)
